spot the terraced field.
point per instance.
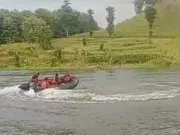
(102, 52)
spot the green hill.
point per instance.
(167, 23)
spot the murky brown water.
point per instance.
(123, 102)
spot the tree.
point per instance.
(65, 23)
(150, 15)
(110, 19)
(26, 13)
(83, 20)
(11, 29)
(17, 18)
(10, 26)
(92, 23)
(68, 17)
(36, 30)
(150, 2)
(1, 30)
(66, 6)
(45, 14)
(149, 10)
(138, 5)
(18, 26)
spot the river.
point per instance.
(118, 102)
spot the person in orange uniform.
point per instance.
(55, 80)
(34, 78)
(67, 78)
(45, 83)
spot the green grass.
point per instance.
(117, 52)
(166, 24)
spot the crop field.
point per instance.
(97, 52)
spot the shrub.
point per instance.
(101, 47)
(84, 41)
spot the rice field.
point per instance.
(97, 53)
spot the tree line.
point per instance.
(42, 25)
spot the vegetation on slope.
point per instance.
(165, 25)
(97, 53)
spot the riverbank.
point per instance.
(88, 68)
(97, 53)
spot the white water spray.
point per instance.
(85, 96)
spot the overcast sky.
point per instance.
(124, 8)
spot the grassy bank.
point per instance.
(97, 54)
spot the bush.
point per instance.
(164, 62)
(84, 41)
(17, 59)
(101, 47)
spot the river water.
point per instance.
(118, 102)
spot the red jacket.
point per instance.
(67, 78)
(45, 84)
(55, 80)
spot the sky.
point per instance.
(124, 8)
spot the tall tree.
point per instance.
(45, 14)
(110, 19)
(1, 30)
(26, 13)
(138, 5)
(66, 6)
(83, 21)
(150, 15)
(12, 27)
(150, 2)
(92, 24)
(67, 16)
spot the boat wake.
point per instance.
(84, 95)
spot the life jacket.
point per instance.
(67, 78)
(45, 84)
(53, 81)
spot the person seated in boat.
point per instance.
(55, 80)
(67, 78)
(45, 84)
(34, 78)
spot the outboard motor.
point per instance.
(25, 86)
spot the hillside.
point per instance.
(166, 24)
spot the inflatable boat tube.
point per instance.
(70, 85)
(63, 86)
